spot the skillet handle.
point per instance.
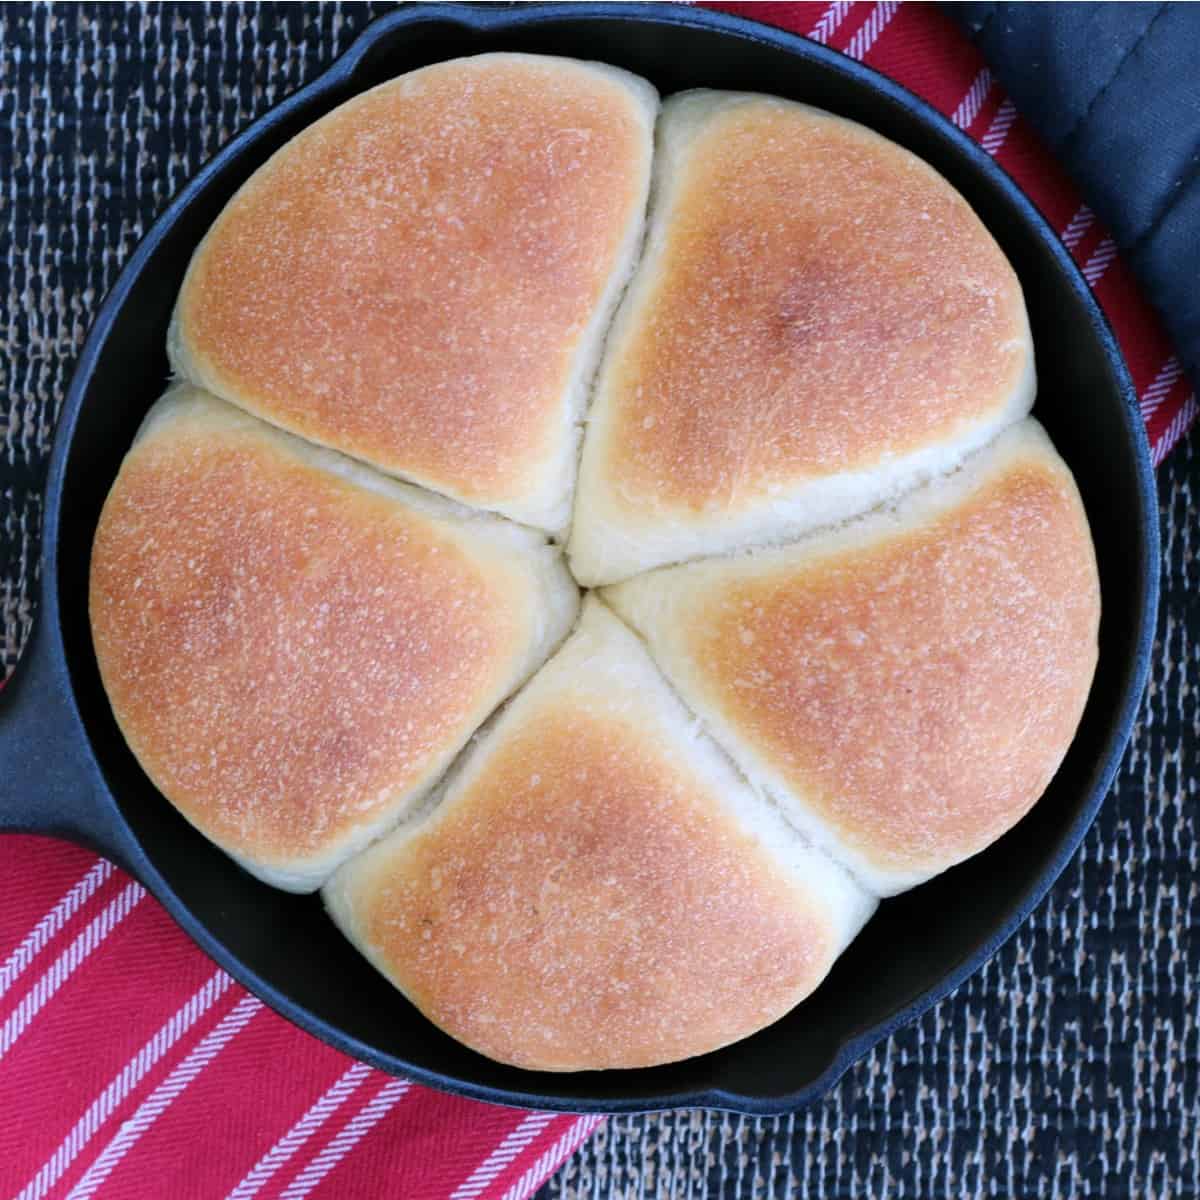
(49, 781)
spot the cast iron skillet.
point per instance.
(67, 772)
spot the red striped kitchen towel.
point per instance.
(131, 1067)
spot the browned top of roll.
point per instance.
(585, 870)
(822, 298)
(409, 278)
(919, 693)
(286, 652)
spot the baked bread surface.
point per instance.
(295, 647)
(818, 322)
(422, 278)
(596, 887)
(906, 685)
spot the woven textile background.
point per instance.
(1068, 1067)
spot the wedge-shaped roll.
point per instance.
(905, 686)
(295, 647)
(597, 888)
(422, 278)
(818, 321)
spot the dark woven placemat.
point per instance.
(1067, 1068)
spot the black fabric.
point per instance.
(1115, 91)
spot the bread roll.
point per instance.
(818, 322)
(295, 647)
(422, 278)
(905, 686)
(596, 887)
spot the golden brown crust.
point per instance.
(586, 904)
(823, 300)
(409, 279)
(918, 693)
(288, 654)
